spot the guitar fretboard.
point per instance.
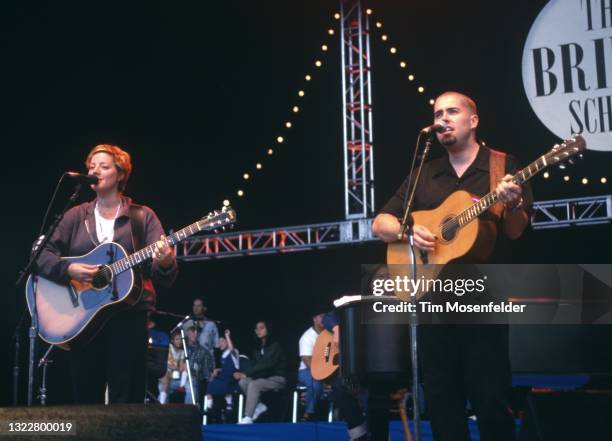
(147, 252)
(491, 198)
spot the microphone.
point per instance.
(85, 179)
(435, 128)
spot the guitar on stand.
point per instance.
(456, 224)
(70, 315)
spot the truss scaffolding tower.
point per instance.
(357, 111)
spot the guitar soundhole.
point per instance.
(448, 230)
(102, 278)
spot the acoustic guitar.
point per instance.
(70, 315)
(455, 223)
(325, 356)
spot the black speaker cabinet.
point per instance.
(125, 422)
(565, 416)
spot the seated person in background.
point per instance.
(200, 362)
(176, 373)
(344, 399)
(157, 356)
(267, 372)
(222, 382)
(314, 388)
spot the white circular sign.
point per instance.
(567, 69)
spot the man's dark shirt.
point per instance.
(439, 179)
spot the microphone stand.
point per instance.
(44, 363)
(36, 251)
(167, 314)
(179, 325)
(406, 227)
(17, 339)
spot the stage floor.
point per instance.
(304, 432)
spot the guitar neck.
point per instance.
(491, 198)
(147, 252)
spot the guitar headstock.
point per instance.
(218, 219)
(566, 151)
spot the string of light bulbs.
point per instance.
(295, 108)
(584, 180)
(308, 77)
(378, 25)
(393, 50)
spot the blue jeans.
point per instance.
(174, 385)
(314, 389)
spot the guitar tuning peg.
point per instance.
(562, 166)
(571, 161)
(580, 156)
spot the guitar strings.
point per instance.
(102, 277)
(489, 199)
(454, 222)
(520, 178)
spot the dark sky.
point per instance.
(198, 91)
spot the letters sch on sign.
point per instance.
(567, 69)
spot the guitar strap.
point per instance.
(137, 223)
(136, 214)
(497, 170)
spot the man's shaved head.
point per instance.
(466, 100)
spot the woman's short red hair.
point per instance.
(122, 160)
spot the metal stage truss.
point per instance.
(547, 214)
(356, 69)
(276, 240)
(358, 135)
(576, 211)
